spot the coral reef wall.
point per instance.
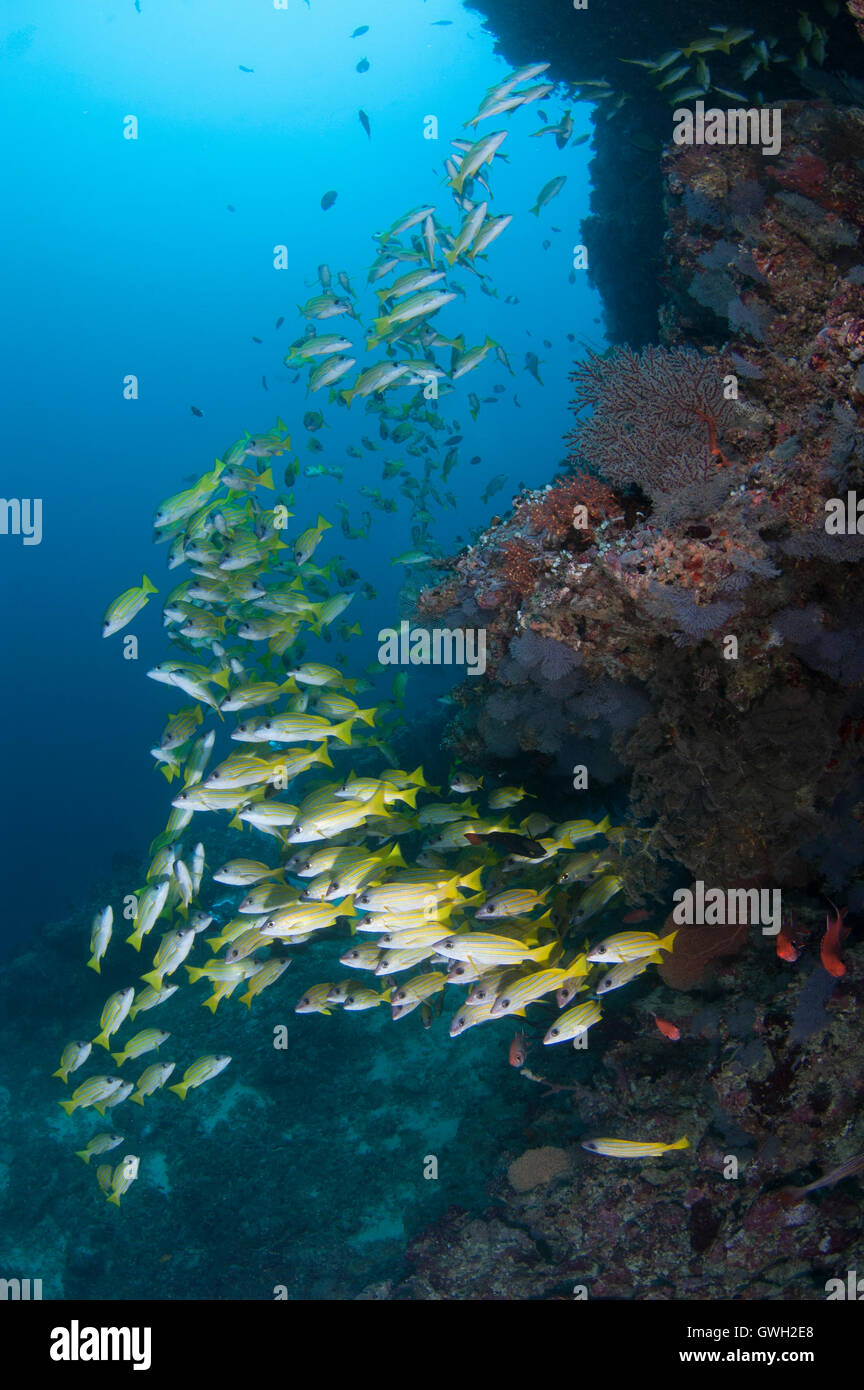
(688, 619)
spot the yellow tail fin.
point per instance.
(181, 1088)
(682, 1143)
(543, 952)
(82, 1153)
(94, 965)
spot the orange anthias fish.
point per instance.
(669, 1030)
(786, 948)
(518, 1050)
(637, 915)
(829, 951)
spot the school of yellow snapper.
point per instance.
(480, 899)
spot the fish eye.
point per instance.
(349, 999)
(553, 1032)
(505, 1003)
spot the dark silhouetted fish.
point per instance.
(512, 843)
(329, 199)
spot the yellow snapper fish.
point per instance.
(577, 831)
(532, 987)
(632, 1148)
(446, 812)
(503, 797)
(292, 922)
(394, 961)
(480, 153)
(152, 1079)
(114, 1012)
(315, 1000)
(145, 1041)
(631, 946)
(127, 606)
(316, 673)
(595, 898)
(91, 1092)
(253, 693)
(74, 1055)
(180, 727)
(99, 1144)
(308, 541)
(420, 987)
(123, 1091)
(201, 1070)
(123, 1177)
(399, 922)
(172, 951)
(241, 872)
(400, 897)
(366, 956)
(100, 935)
(148, 998)
(574, 1022)
(104, 1174)
(469, 1016)
(421, 305)
(331, 820)
(375, 379)
(149, 908)
(622, 974)
(513, 902)
(582, 866)
(484, 948)
(243, 947)
(426, 935)
(361, 998)
(269, 973)
(292, 728)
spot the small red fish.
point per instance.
(518, 1050)
(786, 948)
(637, 915)
(829, 951)
(669, 1030)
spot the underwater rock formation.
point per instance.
(698, 628)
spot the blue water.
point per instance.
(128, 261)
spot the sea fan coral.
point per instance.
(657, 417)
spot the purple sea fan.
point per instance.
(657, 417)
